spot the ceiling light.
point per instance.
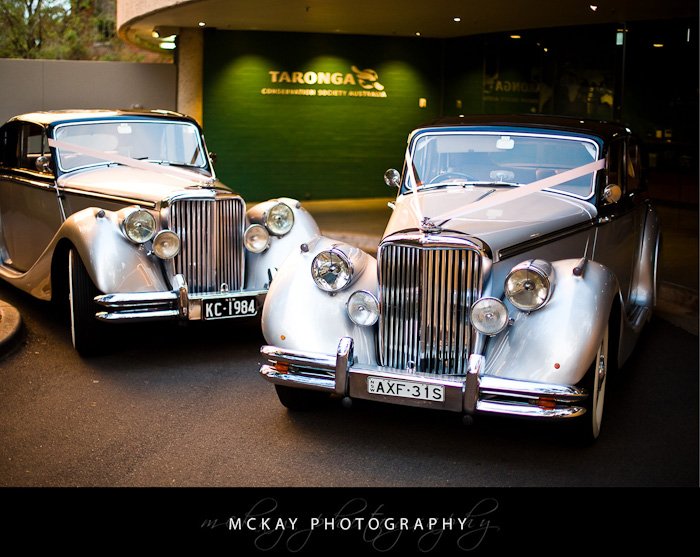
(417, 33)
(202, 24)
(658, 45)
(593, 7)
(516, 37)
(168, 46)
(457, 19)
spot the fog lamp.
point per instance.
(489, 316)
(166, 244)
(256, 238)
(363, 308)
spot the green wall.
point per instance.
(314, 146)
(324, 147)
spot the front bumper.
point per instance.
(178, 304)
(473, 394)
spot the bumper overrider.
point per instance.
(474, 394)
(179, 304)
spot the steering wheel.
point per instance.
(447, 176)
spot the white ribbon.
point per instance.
(180, 173)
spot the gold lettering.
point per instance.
(310, 78)
(349, 79)
(273, 76)
(297, 77)
(324, 78)
(284, 77)
(337, 78)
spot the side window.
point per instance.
(616, 164)
(9, 145)
(32, 146)
(633, 163)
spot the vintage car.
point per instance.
(120, 213)
(515, 273)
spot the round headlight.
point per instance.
(256, 238)
(139, 226)
(331, 270)
(489, 316)
(529, 285)
(363, 308)
(166, 244)
(279, 219)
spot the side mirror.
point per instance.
(392, 178)
(43, 163)
(612, 193)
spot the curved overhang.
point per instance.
(137, 20)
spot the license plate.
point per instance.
(228, 308)
(405, 389)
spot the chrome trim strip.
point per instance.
(517, 249)
(126, 200)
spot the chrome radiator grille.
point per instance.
(426, 295)
(211, 254)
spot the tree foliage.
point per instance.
(62, 29)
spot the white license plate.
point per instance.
(229, 308)
(405, 389)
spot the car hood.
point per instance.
(149, 186)
(506, 222)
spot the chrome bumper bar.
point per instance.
(175, 304)
(472, 394)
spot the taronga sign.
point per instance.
(358, 83)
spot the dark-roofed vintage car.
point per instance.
(514, 275)
(120, 213)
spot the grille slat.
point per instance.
(426, 294)
(211, 251)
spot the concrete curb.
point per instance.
(10, 327)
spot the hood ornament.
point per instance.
(429, 227)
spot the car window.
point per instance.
(633, 159)
(22, 144)
(175, 143)
(616, 164)
(511, 158)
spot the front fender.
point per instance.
(558, 343)
(298, 315)
(262, 267)
(114, 263)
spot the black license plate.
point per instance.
(228, 308)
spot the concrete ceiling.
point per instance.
(430, 18)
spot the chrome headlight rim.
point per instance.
(272, 223)
(344, 259)
(130, 227)
(253, 228)
(373, 310)
(502, 321)
(158, 240)
(540, 276)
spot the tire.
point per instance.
(87, 334)
(300, 400)
(589, 425)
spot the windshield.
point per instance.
(176, 143)
(472, 158)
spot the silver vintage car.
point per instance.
(515, 273)
(120, 213)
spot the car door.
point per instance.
(29, 210)
(619, 231)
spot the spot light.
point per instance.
(202, 24)
(516, 37)
(457, 19)
(593, 7)
(658, 45)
